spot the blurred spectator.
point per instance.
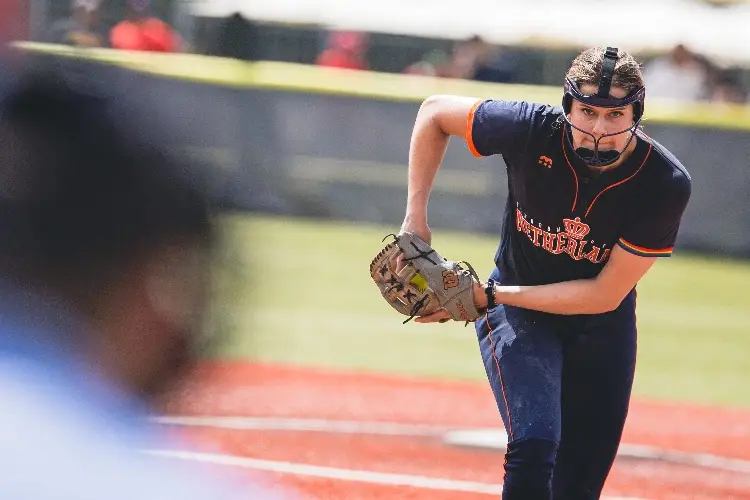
(83, 28)
(103, 277)
(680, 75)
(345, 49)
(431, 64)
(472, 59)
(238, 38)
(142, 31)
(466, 57)
(725, 87)
(496, 66)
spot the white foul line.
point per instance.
(306, 425)
(491, 438)
(496, 439)
(684, 458)
(382, 478)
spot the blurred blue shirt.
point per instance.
(66, 433)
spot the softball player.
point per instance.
(592, 202)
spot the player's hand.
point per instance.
(418, 226)
(441, 316)
(480, 297)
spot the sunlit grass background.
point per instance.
(298, 291)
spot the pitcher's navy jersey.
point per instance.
(562, 220)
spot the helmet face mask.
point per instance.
(602, 99)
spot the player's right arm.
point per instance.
(439, 117)
(488, 127)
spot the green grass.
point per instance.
(298, 291)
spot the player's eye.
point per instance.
(616, 114)
(588, 111)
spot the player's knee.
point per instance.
(528, 469)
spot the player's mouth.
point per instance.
(603, 146)
(607, 142)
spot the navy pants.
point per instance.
(562, 385)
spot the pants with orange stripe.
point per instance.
(562, 385)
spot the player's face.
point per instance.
(601, 121)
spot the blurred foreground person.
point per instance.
(104, 262)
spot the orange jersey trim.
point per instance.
(644, 252)
(470, 128)
(648, 153)
(575, 176)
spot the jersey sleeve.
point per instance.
(501, 127)
(652, 230)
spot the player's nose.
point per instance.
(600, 127)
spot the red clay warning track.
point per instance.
(341, 435)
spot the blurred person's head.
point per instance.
(479, 47)
(466, 56)
(107, 224)
(681, 55)
(345, 49)
(603, 104)
(86, 12)
(142, 31)
(352, 42)
(137, 9)
(725, 87)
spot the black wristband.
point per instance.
(489, 290)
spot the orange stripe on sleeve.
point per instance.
(470, 127)
(644, 252)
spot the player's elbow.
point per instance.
(593, 307)
(431, 107)
(606, 295)
(607, 302)
(608, 306)
(432, 103)
(448, 113)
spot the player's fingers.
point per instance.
(437, 317)
(400, 264)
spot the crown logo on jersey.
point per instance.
(545, 161)
(575, 228)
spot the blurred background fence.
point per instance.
(284, 122)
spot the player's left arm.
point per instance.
(585, 296)
(650, 233)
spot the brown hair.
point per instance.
(587, 67)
